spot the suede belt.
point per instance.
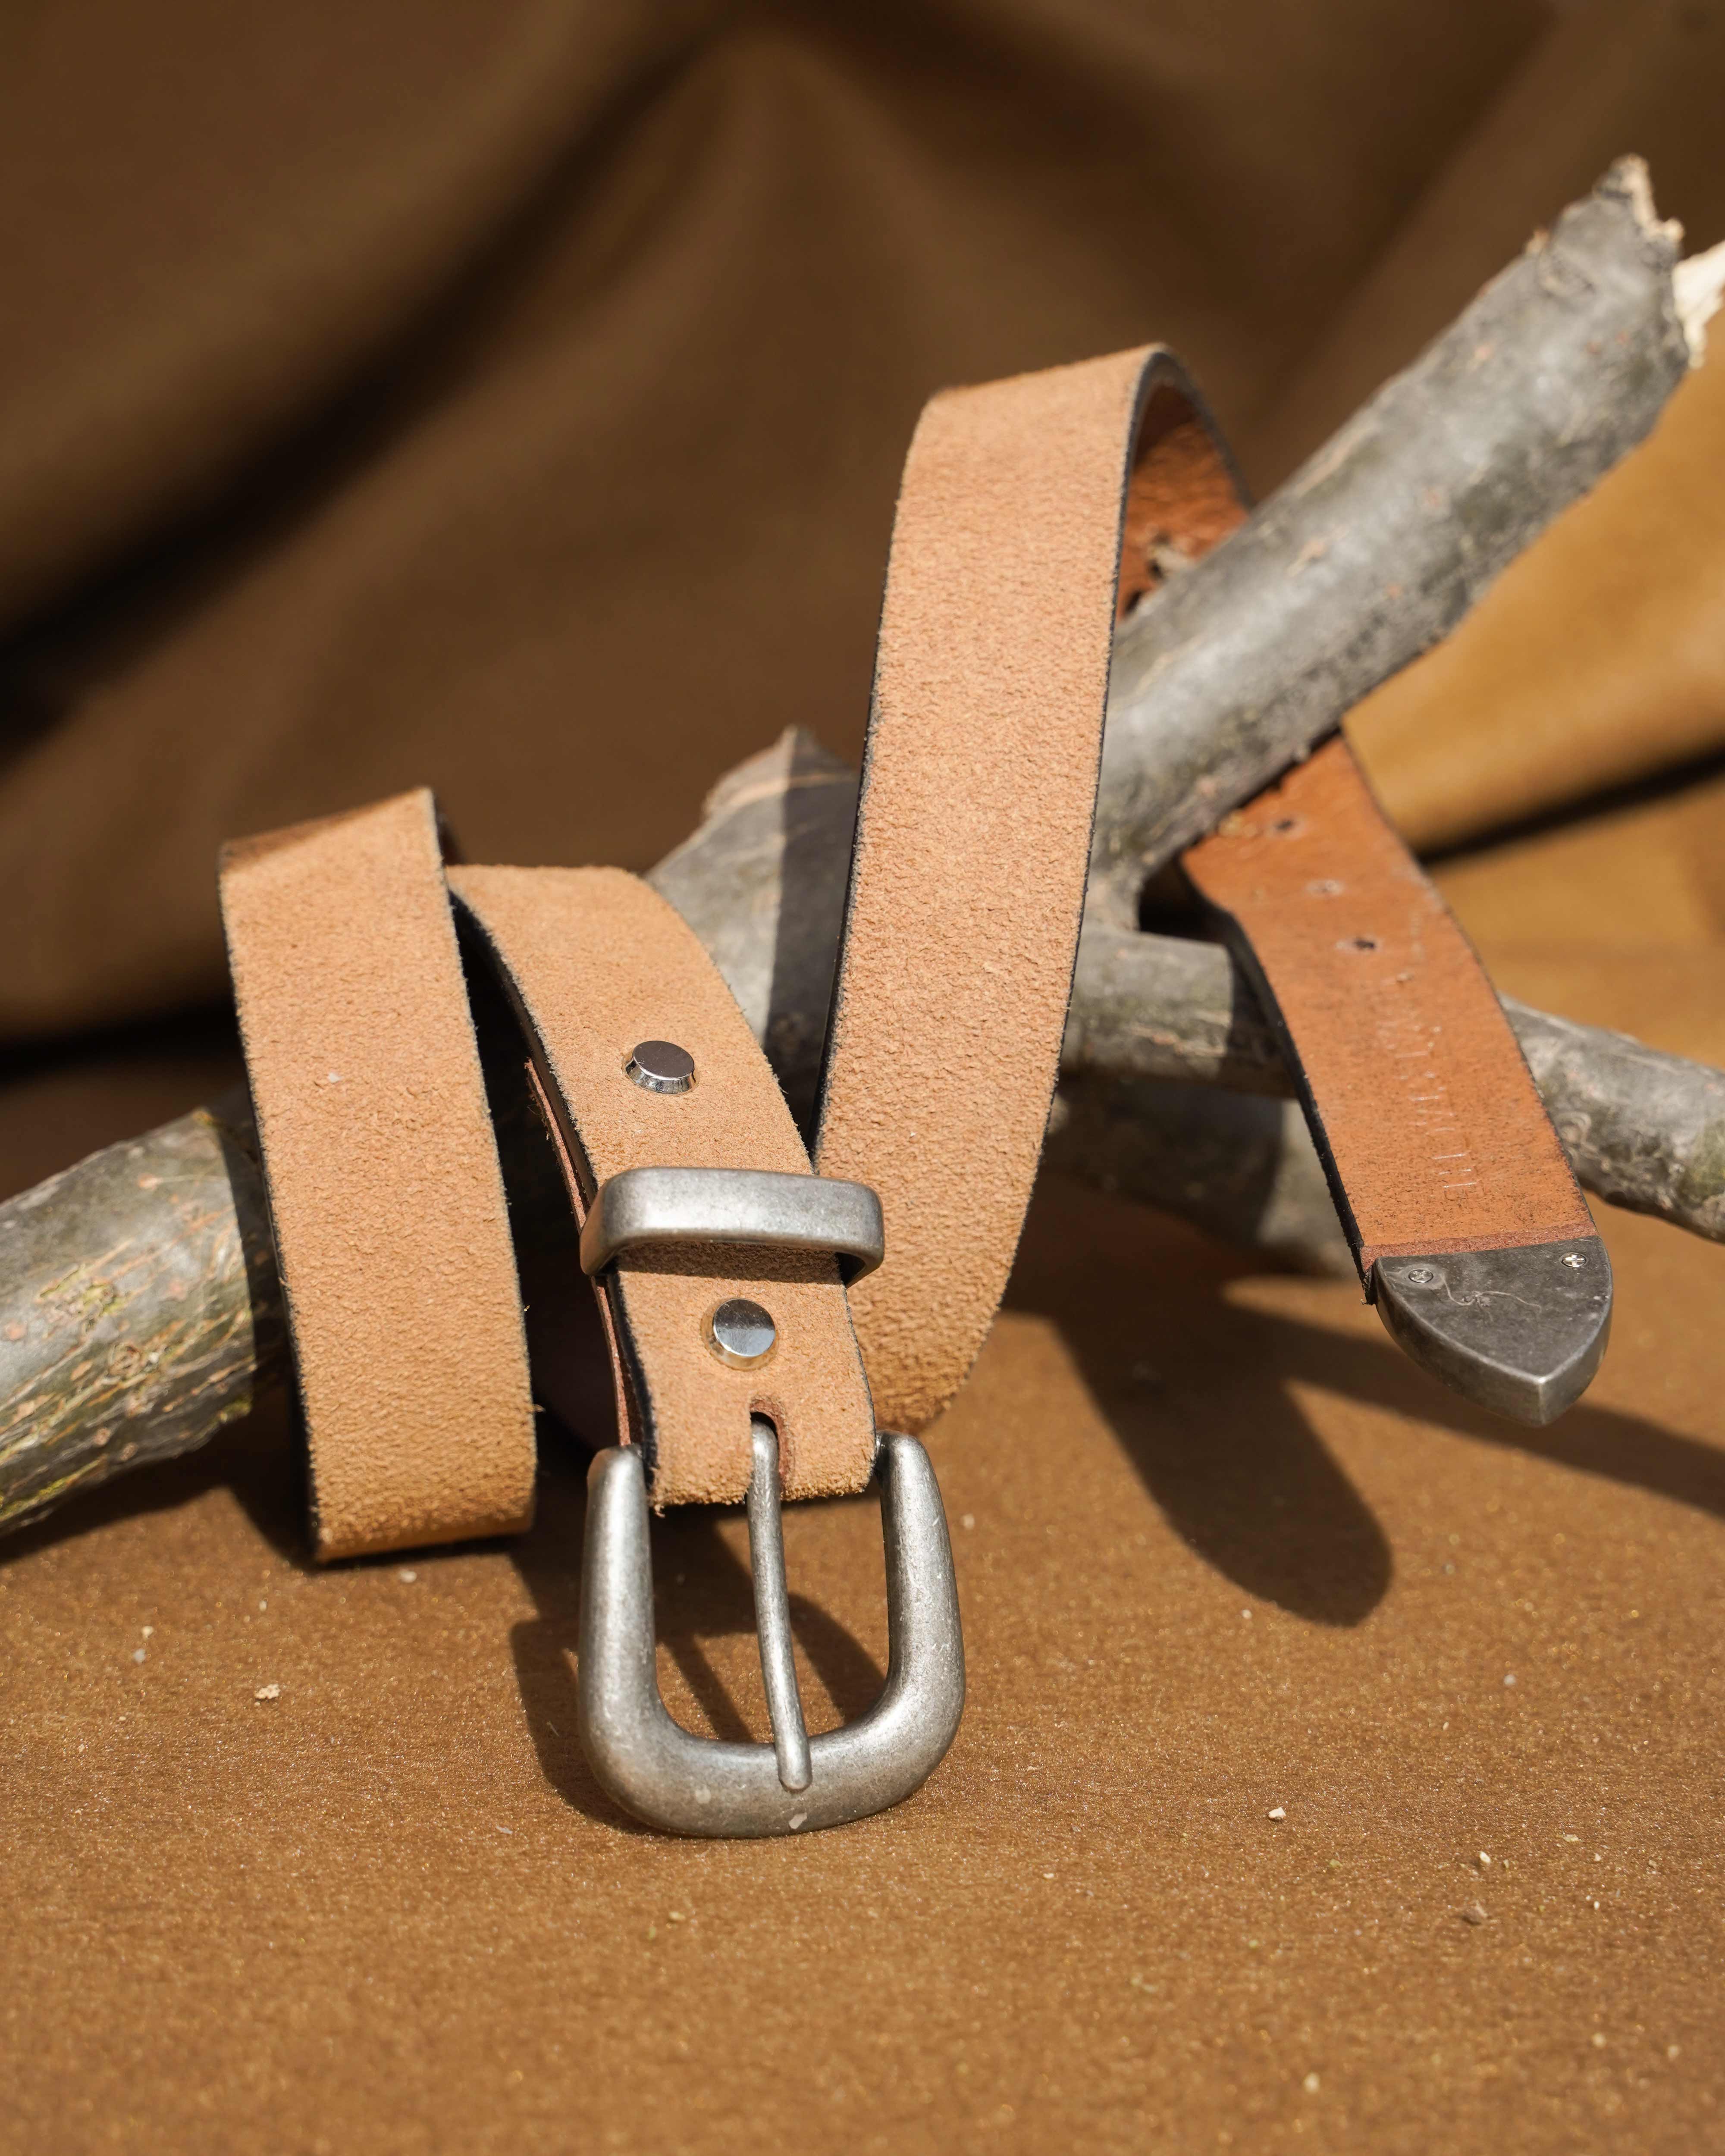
(778, 1329)
(967, 884)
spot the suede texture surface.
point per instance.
(513, 395)
(600, 962)
(386, 1196)
(972, 844)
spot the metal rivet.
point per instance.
(1574, 1260)
(660, 1066)
(1422, 1276)
(742, 1333)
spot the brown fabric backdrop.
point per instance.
(508, 395)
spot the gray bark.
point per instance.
(1644, 1131)
(140, 1308)
(1375, 548)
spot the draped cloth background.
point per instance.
(509, 395)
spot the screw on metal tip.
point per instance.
(1519, 1330)
(742, 1333)
(660, 1066)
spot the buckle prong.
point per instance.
(773, 1609)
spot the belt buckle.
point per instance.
(662, 1773)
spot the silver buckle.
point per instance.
(704, 1785)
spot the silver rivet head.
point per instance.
(1422, 1276)
(1574, 1260)
(661, 1067)
(742, 1333)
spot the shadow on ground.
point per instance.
(702, 1592)
(1200, 1393)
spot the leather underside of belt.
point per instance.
(1437, 1139)
(1469, 1228)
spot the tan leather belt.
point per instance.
(972, 841)
(782, 1330)
(731, 1274)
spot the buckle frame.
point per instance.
(707, 1786)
